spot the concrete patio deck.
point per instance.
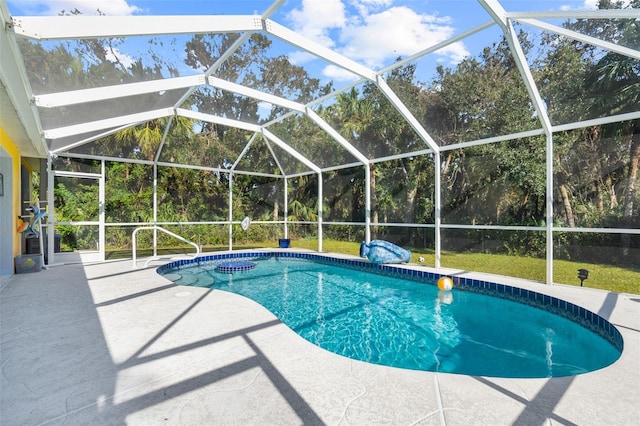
(106, 344)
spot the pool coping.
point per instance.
(106, 344)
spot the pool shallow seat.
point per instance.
(235, 266)
(396, 316)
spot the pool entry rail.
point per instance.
(155, 256)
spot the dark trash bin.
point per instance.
(33, 245)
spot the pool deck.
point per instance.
(107, 344)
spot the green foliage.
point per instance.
(128, 193)
(76, 201)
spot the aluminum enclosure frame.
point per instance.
(54, 28)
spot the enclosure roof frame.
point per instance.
(54, 140)
(87, 27)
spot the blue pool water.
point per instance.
(402, 323)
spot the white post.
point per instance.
(437, 201)
(320, 212)
(101, 212)
(155, 208)
(549, 198)
(50, 215)
(230, 211)
(367, 203)
(286, 208)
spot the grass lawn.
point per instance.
(604, 277)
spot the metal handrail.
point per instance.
(133, 242)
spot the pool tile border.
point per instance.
(582, 316)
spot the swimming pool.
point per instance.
(397, 317)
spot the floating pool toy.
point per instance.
(445, 284)
(380, 251)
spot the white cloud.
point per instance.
(317, 18)
(338, 74)
(398, 31)
(365, 7)
(114, 55)
(372, 31)
(86, 7)
(455, 52)
(373, 3)
(587, 4)
(300, 57)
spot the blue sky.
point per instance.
(372, 32)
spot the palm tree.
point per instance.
(615, 78)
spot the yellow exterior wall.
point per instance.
(7, 145)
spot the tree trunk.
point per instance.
(445, 168)
(613, 198)
(599, 198)
(374, 209)
(568, 211)
(412, 190)
(630, 192)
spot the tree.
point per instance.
(616, 80)
(481, 98)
